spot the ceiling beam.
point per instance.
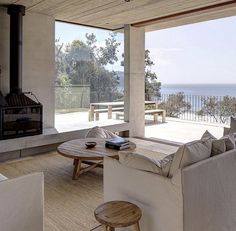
(85, 25)
(188, 13)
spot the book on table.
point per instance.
(116, 147)
(119, 141)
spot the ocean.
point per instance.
(200, 89)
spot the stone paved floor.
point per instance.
(181, 131)
(173, 130)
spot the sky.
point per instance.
(199, 53)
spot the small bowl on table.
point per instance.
(90, 144)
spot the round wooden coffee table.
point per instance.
(118, 214)
(76, 150)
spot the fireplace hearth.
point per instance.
(20, 112)
(19, 116)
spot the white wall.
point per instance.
(38, 59)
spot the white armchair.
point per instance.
(22, 203)
(200, 197)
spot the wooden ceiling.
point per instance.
(114, 14)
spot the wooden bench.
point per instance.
(154, 112)
(96, 112)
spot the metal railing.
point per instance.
(210, 109)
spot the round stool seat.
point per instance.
(117, 214)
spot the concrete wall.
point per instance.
(38, 59)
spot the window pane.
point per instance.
(89, 69)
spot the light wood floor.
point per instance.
(69, 205)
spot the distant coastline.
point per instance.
(200, 89)
(190, 89)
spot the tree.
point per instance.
(175, 105)
(108, 54)
(91, 41)
(152, 86)
(85, 63)
(59, 58)
(80, 61)
(219, 109)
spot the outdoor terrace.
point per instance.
(174, 130)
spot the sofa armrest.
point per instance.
(210, 194)
(22, 203)
(159, 199)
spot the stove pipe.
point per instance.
(16, 13)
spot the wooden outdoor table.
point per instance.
(76, 150)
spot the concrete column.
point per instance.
(134, 97)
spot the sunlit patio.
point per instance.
(173, 130)
(181, 130)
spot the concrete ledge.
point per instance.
(9, 155)
(49, 137)
(37, 150)
(161, 141)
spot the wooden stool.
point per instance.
(118, 214)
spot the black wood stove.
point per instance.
(20, 112)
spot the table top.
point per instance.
(118, 214)
(117, 103)
(76, 149)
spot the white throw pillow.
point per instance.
(97, 132)
(191, 153)
(218, 147)
(229, 141)
(227, 131)
(233, 124)
(156, 163)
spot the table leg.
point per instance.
(77, 166)
(137, 227)
(109, 112)
(164, 116)
(108, 228)
(91, 113)
(97, 115)
(156, 105)
(155, 118)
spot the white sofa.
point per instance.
(22, 203)
(200, 197)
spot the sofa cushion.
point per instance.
(218, 147)
(227, 131)
(229, 141)
(97, 132)
(233, 124)
(147, 161)
(191, 153)
(208, 135)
